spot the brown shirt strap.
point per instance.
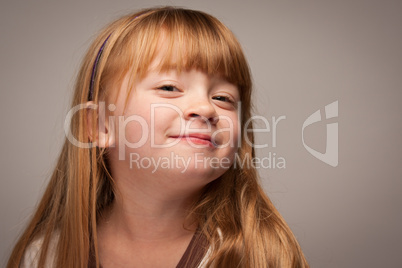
(195, 251)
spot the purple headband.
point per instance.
(91, 85)
(95, 66)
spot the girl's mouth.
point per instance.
(197, 139)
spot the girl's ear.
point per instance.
(103, 135)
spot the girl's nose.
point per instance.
(202, 110)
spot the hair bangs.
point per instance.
(199, 41)
(183, 40)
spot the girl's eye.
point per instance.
(223, 98)
(168, 88)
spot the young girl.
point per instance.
(156, 168)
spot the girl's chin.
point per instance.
(190, 172)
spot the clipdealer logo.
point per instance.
(272, 160)
(330, 156)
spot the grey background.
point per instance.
(303, 55)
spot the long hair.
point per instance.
(241, 224)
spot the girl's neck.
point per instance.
(143, 216)
(144, 231)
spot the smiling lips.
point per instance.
(197, 139)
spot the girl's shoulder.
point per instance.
(33, 251)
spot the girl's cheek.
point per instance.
(232, 129)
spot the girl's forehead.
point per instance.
(171, 55)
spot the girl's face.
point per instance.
(177, 125)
